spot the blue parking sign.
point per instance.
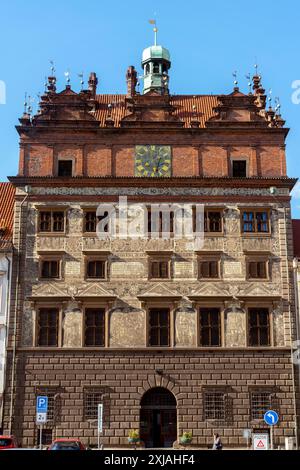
(42, 404)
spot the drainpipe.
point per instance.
(6, 320)
(14, 339)
(297, 309)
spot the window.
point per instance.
(48, 327)
(155, 67)
(159, 327)
(50, 269)
(212, 221)
(91, 220)
(46, 436)
(51, 221)
(257, 270)
(239, 168)
(160, 222)
(65, 167)
(255, 222)
(260, 403)
(208, 269)
(159, 269)
(96, 269)
(214, 405)
(94, 327)
(92, 398)
(210, 327)
(259, 327)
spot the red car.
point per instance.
(67, 444)
(8, 442)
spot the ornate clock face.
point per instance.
(153, 160)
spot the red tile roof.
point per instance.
(7, 197)
(296, 234)
(202, 111)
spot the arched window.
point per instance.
(155, 67)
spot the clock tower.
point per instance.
(156, 63)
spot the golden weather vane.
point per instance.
(155, 30)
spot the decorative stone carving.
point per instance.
(185, 327)
(235, 324)
(278, 325)
(74, 245)
(128, 269)
(134, 191)
(72, 325)
(127, 329)
(159, 290)
(50, 243)
(48, 290)
(232, 221)
(232, 269)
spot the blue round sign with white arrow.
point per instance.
(271, 417)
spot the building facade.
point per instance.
(170, 335)
(7, 193)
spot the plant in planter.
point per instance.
(133, 436)
(186, 438)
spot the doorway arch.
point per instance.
(158, 418)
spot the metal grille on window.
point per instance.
(260, 403)
(215, 405)
(92, 398)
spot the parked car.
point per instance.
(8, 442)
(67, 444)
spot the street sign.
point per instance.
(260, 441)
(41, 404)
(41, 418)
(271, 418)
(100, 417)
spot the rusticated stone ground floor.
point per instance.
(160, 392)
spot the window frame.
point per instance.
(105, 326)
(169, 327)
(94, 258)
(207, 259)
(215, 390)
(47, 258)
(260, 390)
(220, 325)
(160, 259)
(270, 326)
(64, 160)
(37, 325)
(255, 233)
(91, 234)
(52, 211)
(239, 159)
(258, 259)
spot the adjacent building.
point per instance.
(7, 194)
(169, 335)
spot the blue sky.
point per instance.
(208, 40)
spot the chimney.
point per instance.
(93, 82)
(131, 78)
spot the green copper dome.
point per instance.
(156, 52)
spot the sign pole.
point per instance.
(100, 422)
(271, 438)
(41, 435)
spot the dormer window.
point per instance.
(239, 168)
(65, 167)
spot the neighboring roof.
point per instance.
(296, 235)
(7, 198)
(188, 107)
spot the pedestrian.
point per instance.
(217, 442)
